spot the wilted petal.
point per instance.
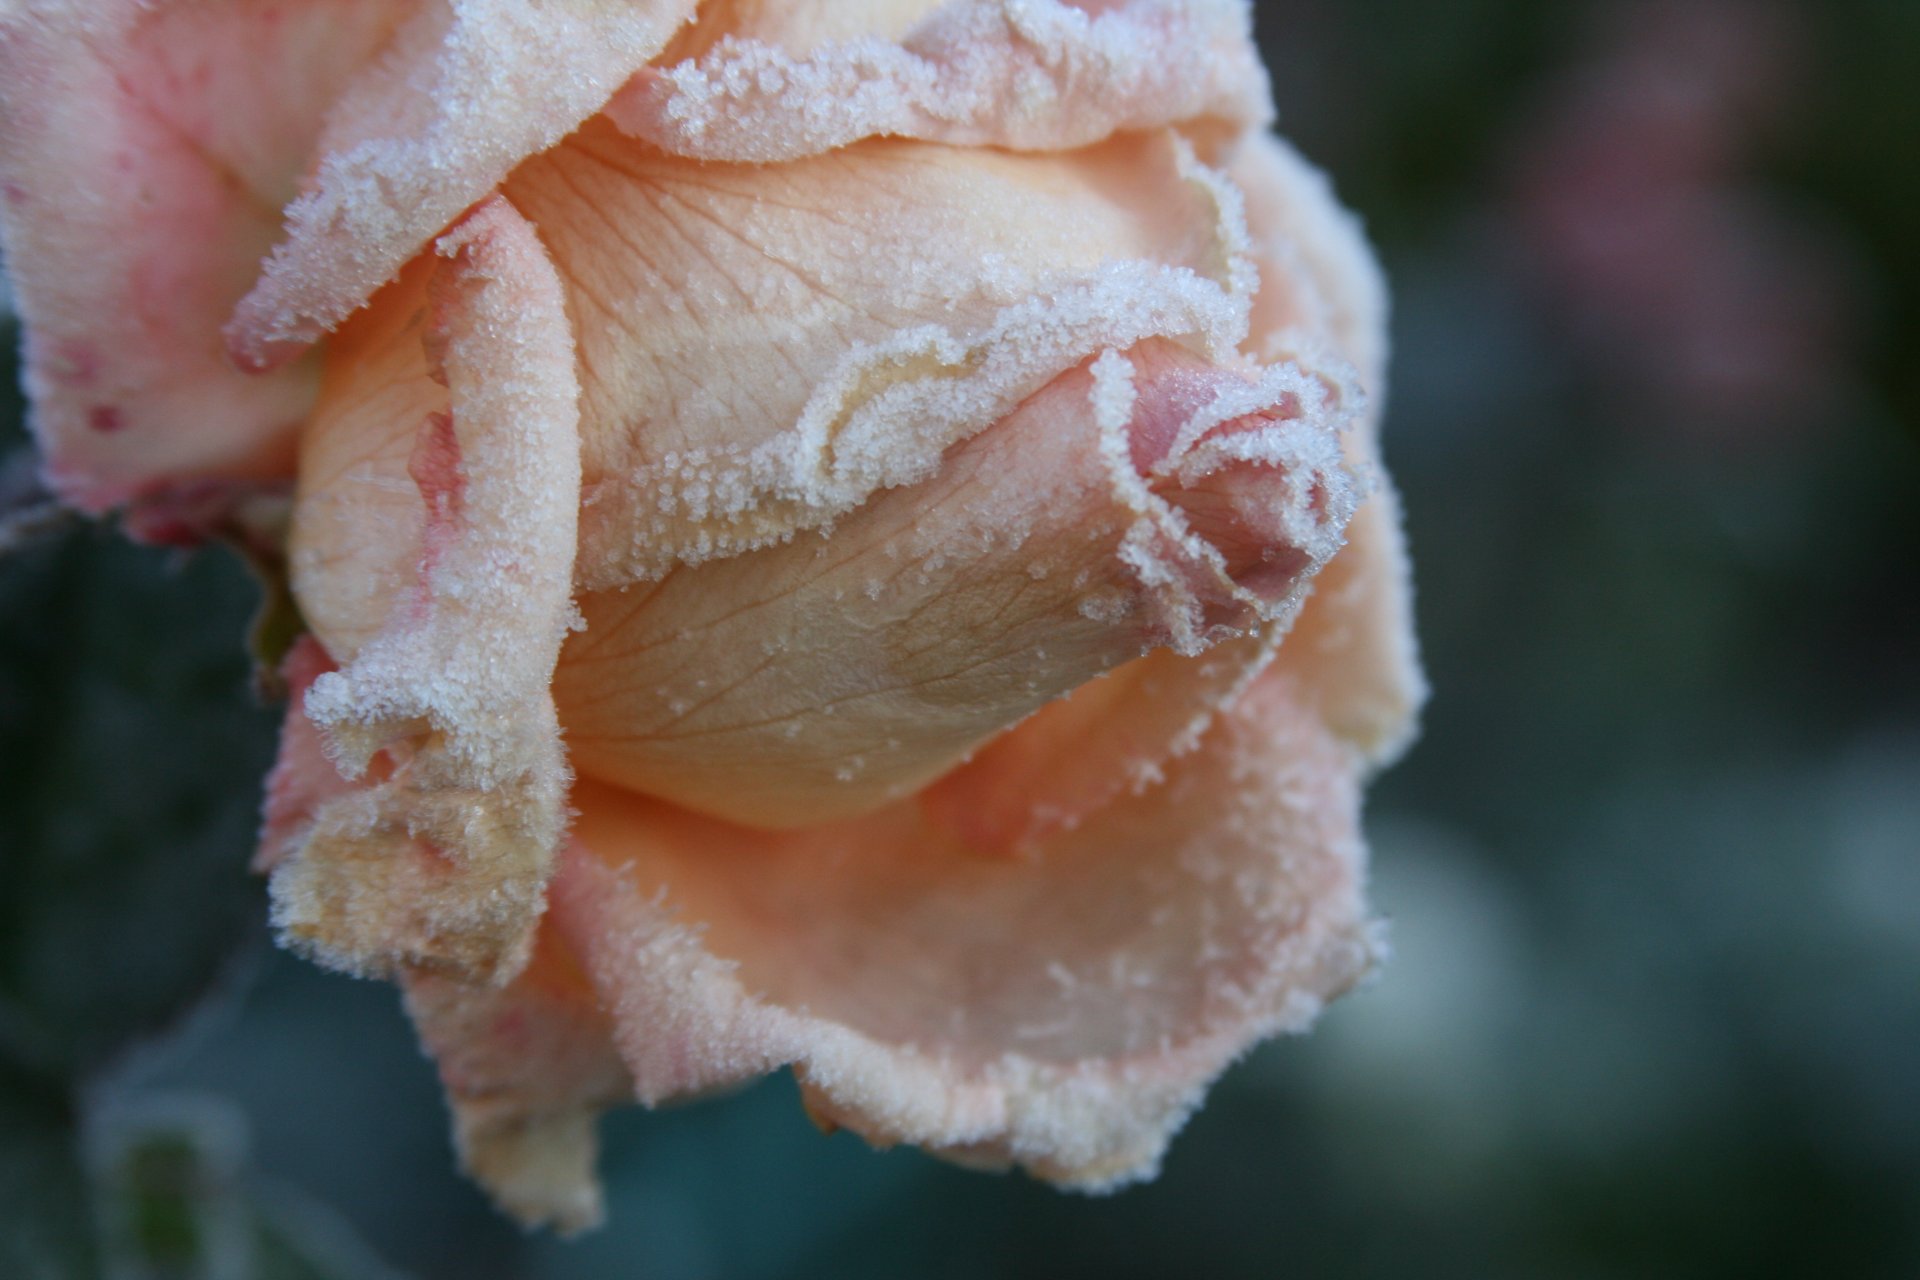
(303, 779)
(1061, 1011)
(527, 1069)
(1028, 74)
(444, 861)
(145, 153)
(827, 676)
(467, 90)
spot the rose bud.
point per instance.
(833, 536)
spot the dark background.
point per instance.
(1653, 871)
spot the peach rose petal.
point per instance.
(1107, 739)
(1063, 1012)
(1320, 301)
(467, 90)
(527, 1068)
(443, 862)
(825, 677)
(303, 779)
(1353, 648)
(1027, 74)
(145, 152)
(766, 347)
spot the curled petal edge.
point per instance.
(1032, 75)
(466, 90)
(885, 414)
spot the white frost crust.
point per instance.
(467, 90)
(1025, 74)
(1183, 572)
(888, 410)
(444, 862)
(1062, 1011)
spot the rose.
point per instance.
(797, 510)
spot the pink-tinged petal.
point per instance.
(1028, 74)
(303, 779)
(1353, 650)
(145, 152)
(1062, 1011)
(443, 862)
(764, 348)
(1147, 500)
(527, 1068)
(468, 89)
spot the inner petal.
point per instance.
(734, 319)
(830, 675)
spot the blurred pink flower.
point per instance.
(1721, 308)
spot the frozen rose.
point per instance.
(832, 535)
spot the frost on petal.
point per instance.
(446, 706)
(468, 89)
(303, 779)
(764, 348)
(1353, 648)
(527, 1068)
(145, 153)
(827, 676)
(1028, 74)
(1062, 1011)
(1109, 738)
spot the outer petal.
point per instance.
(527, 1070)
(1030, 74)
(1353, 649)
(145, 152)
(468, 89)
(303, 779)
(1107, 739)
(1062, 1012)
(527, 1067)
(444, 862)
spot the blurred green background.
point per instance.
(1653, 871)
